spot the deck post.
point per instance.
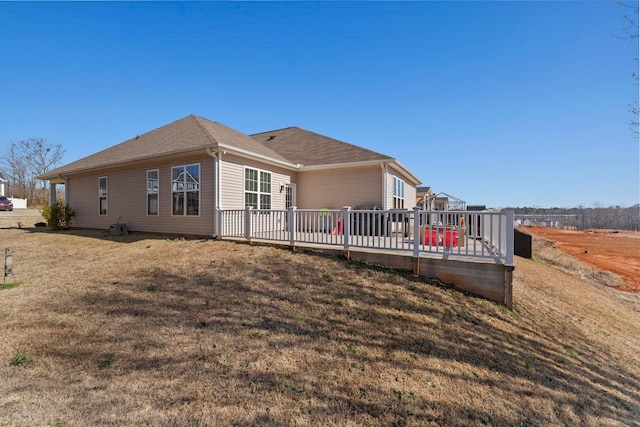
(416, 232)
(293, 219)
(510, 239)
(416, 241)
(247, 223)
(217, 223)
(346, 229)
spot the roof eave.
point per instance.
(407, 172)
(251, 155)
(343, 165)
(56, 173)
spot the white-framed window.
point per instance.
(153, 208)
(257, 188)
(103, 195)
(398, 193)
(185, 190)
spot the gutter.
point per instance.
(406, 171)
(385, 171)
(251, 155)
(217, 157)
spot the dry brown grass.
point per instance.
(142, 330)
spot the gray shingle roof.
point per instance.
(286, 147)
(187, 134)
(307, 148)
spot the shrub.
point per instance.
(19, 359)
(58, 216)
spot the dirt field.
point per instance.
(146, 330)
(615, 251)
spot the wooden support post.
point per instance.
(508, 287)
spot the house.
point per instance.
(424, 198)
(174, 178)
(2, 183)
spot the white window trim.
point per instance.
(184, 209)
(398, 193)
(259, 192)
(105, 195)
(156, 192)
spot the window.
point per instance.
(152, 192)
(103, 198)
(398, 193)
(185, 190)
(257, 189)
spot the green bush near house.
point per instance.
(58, 216)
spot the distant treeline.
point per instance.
(593, 217)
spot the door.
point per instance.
(289, 195)
(289, 200)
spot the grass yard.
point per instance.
(145, 330)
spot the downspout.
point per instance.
(385, 171)
(216, 198)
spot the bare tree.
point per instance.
(41, 156)
(14, 168)
(631, 33)
(24, 161)
(598, 216)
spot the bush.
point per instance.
(58, 216)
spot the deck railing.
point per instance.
(480, 234)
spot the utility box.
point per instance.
(118, 229)
(522, 244)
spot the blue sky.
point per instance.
(496, 103)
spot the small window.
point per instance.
(398, 193)
(185, 190)
(257, 189)
(103, 195)
(152, 192)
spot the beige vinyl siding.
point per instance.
(389, 192)
(409, 189)
(336, 188)
(232, 191)
(232, 188)
(128, 198)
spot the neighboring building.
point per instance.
(441, 203)
(2, 183)
(172, 179)
(424, 198)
